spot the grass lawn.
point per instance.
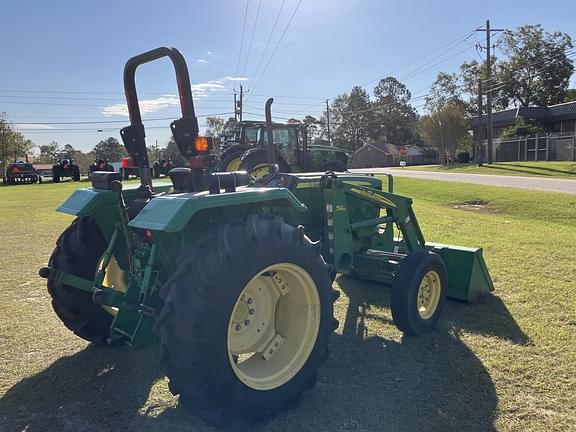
(506, 363)
(531, 169)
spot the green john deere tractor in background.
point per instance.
(242, 334)
(235, 145)
(290, 149)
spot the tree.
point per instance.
(109, 149)
(394, 118)
(537, 70)
(215, 129)
(446, 129)
(570, 95)
(445, 90)
(48, 152)
(173, 153)
(350, 119)
(520, 127)
(312, 127)
(13, 145)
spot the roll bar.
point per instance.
(184, 130)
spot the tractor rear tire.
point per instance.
(78, 252)
(203, 300)
(230, 160)
(418, 293)
(255, 159)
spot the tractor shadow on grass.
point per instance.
(377, 380)
(373, 380)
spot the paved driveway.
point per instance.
(536, 183)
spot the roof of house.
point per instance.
(387, 148)
(563, 111)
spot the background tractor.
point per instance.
(162, 167)
(21, 172)
(290, 149)
(65, 167)
(101, 165)
(233, 146)
(242, 334)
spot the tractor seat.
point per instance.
(183, 181)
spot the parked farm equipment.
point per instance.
(19, 172)
(101, 165)
(242, 334)
(65, 167)
(162, 167)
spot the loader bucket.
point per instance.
(468, 276)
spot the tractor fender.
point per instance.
(172, 212)
(235, 148)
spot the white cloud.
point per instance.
(209, 52)
(238, 78)
(201, 60)
(147, 106)
(32, 126)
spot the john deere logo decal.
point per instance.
(374, 196)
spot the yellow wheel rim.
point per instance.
(429, 294)
(274, 326)
(260, 170)
(114, 279)
(233, 165)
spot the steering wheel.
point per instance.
(274, 170)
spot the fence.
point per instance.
(540, 147)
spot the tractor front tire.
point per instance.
(78, 252)
(243, 334)
(418, 293)
(252, 161)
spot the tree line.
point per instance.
(535, 70)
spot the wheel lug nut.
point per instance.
(249, 300)
(252, 311)
(238, 327)
(247, 322)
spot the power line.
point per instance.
(269, 39)
(257, 80)
(251, 38)
(459, 40)
(242, 37)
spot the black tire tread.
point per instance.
(78, 250)
(204, 381)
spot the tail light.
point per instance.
(127, 162)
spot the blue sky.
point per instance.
(62, 61)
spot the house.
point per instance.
(557, 142)
(374, 154)
(559, 118)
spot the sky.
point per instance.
(61, 61)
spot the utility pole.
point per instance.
(328, 121)
(480, 134)
(235, 107)
(488, 31)
(241, 95)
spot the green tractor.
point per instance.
(242, 335)
(235, 145)
(290, 149)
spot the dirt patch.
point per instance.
(473, 205)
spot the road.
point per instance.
(536, 183)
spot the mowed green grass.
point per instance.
(530, 169)
(505, 363)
